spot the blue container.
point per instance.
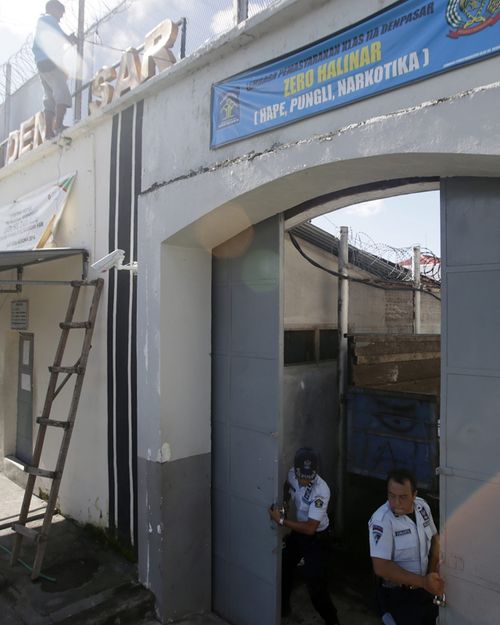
(387, 429)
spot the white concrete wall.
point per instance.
(186, 347)
(311, 298)
(84, 487)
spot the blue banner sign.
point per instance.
(408, 41)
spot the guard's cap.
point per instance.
(305, 464)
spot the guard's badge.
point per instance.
(467, 17)
(319, 503)
(377, 532)
(424, 515)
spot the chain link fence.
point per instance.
(255, 6)
(112, 26)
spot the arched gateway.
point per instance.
(438, 132)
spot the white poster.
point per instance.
(28, 223)
(19, 316)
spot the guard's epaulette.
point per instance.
(423, 513)
(379, 514)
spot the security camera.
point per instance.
(113, 259)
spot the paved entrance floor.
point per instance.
(88, 583)
(351, 589)
(85, 582)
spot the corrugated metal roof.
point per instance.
(371, 263)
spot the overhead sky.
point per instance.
(16, 22)
(205, 17)
(402, 221)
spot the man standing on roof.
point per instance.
(309, 538)
(48, 45)
(404, 546)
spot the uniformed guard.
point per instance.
(309, 538)
(404, 546)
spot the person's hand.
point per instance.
(274, 514)
(434, 584)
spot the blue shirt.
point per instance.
(49, 39)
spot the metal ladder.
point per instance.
(40, 537)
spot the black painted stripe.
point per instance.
(125, 187)
(122, 324)
(110, 326)
(138, 188)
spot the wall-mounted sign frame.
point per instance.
(19, 314)
(406, 42)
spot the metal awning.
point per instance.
(22, 258)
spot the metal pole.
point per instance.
(38, 282)
(7, 103)
(79, 61)
(343, 318)
(240, 10)
(183, 24)
(416, 293)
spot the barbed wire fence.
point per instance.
(389, 262)
(398, 259)
(20, 67)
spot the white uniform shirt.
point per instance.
(311, 501)
(397, 538)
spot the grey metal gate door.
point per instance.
(470, 412)
(246, 422)
(24, 434)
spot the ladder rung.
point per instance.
(33, 517)
(71, 325)
(85, 282)
(30, 533)
(41, 472)
(53, 423)
(41, 537)
(74, 369)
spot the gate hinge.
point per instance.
(444, 471)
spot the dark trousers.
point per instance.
(408, 607)
(315, 551)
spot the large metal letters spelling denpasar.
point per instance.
(108, 85)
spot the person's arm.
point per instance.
(308, 527)
(434, 555)
(392, 572)
(72, 38)
(286, 494)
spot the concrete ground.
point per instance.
(84, 581)
(87, 583)
(350, 588)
